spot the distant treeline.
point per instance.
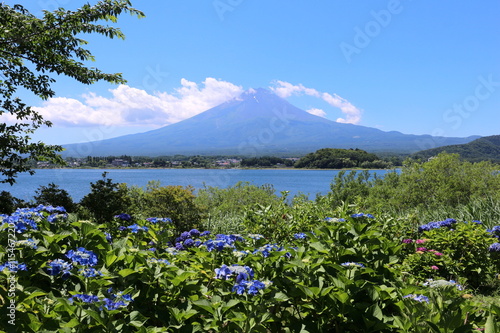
(267, 161)
(329, 158)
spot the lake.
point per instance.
(77, 181)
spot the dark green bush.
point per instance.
(106, 199)
(55, 196)
(9, 203)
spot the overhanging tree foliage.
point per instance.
(33, 51)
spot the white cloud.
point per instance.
(352, 113)
(135, 107)
(317, 112)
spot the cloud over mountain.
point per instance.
(352, 113)
(130, 106)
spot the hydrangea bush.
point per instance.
(335, 274)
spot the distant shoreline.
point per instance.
(136, 168)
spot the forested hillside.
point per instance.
(482, 149)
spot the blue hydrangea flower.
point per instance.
(59, 265)
(239, 288)
(135, 228)
(123, 217)
(116, 301)
(438, 224)
(194, 233)
(254, 287)
(28, 243)
(418, 298)
(222, 241)
(352, 264)
(158, 261)
(255, 236)
(84, 298)
(359, 215)
(242, 272)
(185, 235)
(251, 287)
(300, 235)
(155, 220)
(14, 266)
(89, 272)
(223, 273)
(205, 233)
(108, 236)
(442, 283)
(495, 231)
(334, 219)
(268, 248)
(56, 217)
(110, 304)
(50, 209)
(495, 247)
(82, 257)
(188, 243)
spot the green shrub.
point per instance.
(55, 196)
(175, 202)
(9, 203)
(106, 199)
(225, 207)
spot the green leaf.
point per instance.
(182, 277)
(491, 326)
(110, 259)
(96, 316)
(126, 272)
(376, 311)
(35, 294)
(72, 323)
(319, 247)
(205, 305)
(281, 297)
(230, 304)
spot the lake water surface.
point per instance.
(77, 181)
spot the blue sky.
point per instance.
(418, 67)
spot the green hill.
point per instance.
(331, 158)
(482, 149)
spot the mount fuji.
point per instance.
(256, 123)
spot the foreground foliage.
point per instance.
(347, 273)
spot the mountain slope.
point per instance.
(482, 149)
(256, 123)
